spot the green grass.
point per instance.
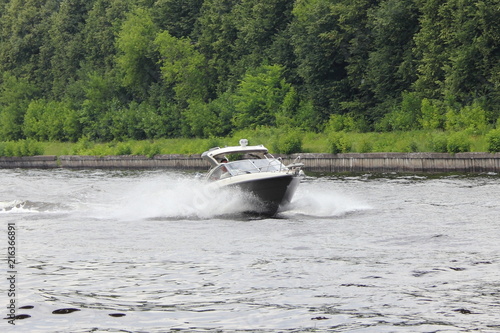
(413, 141)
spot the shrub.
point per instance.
(289, 143)
(402, 117)
(471, 118)
(493, 139)
(21, 148)
(398, 120)
(123, 148)
(150, 149)
(30, 148)
(100, 150)
(411, 147)
(10, 149)
(339, 143)
(458, 142)
(439, 143)
(83, 146)
(365, 145)
(213, 142)
(307, 116)
(431, 117)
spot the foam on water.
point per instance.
(323, 203)
(27, 206)
(14, 206)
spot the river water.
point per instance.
(157, 251)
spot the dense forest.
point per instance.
(108, 70)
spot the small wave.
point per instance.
(27, 206)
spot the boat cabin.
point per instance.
(239, 160)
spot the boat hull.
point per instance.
(271, 190)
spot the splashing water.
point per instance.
(322, 202)
(160, 195)
(177, 198)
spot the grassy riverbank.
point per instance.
(278, 141)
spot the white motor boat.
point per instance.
(255, 171)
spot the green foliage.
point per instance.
(21, 148)
(339, 143)
(212, 119)
(262, 135)
(177, 17)
(458, 142)
(439, 142)
(403, 117)
(97, 101)
(431, 116)
(287, 115)
(470, 118)
(311, 142)
(288, 142)
(307, 116)
(51, 121)
(15, 95)
(412, 147)
(143, 70)
(365, 145)
(182, 67)
(150, 149)
(123, 148)
(391, 64)
(82, 147)
(493, 139)
(259, 96)
(346, 123)
(397, 120)
(136, 58)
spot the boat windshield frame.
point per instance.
(246, 166)
(216, 155)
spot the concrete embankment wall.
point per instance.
(402, 162)
(351, 162)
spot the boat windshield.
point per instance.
(247, 166)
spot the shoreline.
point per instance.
(314, 162)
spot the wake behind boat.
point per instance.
(254, 170)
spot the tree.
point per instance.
(177, 17)
(455, 48)
(258, 23)
(473, 36)
(259, 97)
(215, 35)
(15, 95)
(430, 50)
(98, 104)
(137, 60)
(102, 26)
(51, 121)
(24, 26)
(390, 65)
(182, 67)
(65, 43)
(331, 41)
